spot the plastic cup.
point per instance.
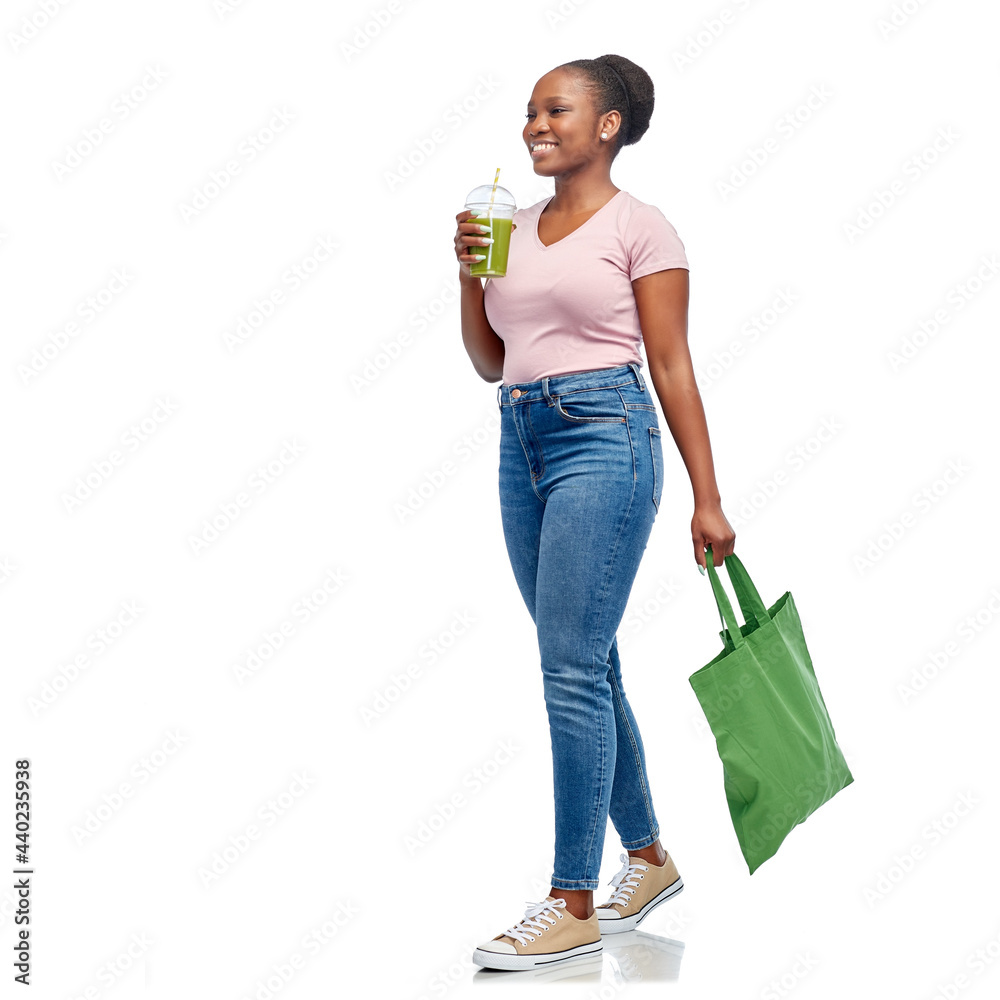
(499, 216)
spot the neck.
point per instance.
(578, 193)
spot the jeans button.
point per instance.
(515, 393)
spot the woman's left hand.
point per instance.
(710, 527)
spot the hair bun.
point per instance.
(606, 75)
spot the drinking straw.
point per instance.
(494, 191)
(489, 215)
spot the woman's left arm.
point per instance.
(662, 301)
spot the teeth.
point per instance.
(544, 145)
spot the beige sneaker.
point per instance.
(547, 934)
(639, 886)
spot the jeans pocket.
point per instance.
(591, 406)
(656, 447)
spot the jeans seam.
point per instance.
(635, 464)
(643, 784)
(604, 595)
(603, 779)
(629, 381)
(586, 885)
(557, 404)
(636, 845)
(541, 457)
(593, 388)
(655, 432)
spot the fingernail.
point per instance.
(483, 239)
(701, 569)
(485, 229)
(479, 256)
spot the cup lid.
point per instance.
(481, 196)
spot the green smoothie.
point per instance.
(495, 265)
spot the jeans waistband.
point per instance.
(559, 385)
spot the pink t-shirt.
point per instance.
(569, 307)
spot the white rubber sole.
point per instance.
(493, 960)
(618, 925)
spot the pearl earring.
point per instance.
(604, 135)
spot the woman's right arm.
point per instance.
(484, 347)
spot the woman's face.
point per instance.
(561, 130)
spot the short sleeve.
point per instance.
(652, 243)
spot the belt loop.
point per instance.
(499, 401)
(638, 376)
(545, 389)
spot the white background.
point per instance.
(865, 488)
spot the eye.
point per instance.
(553, 111)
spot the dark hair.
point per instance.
(635, 105)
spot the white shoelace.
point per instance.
(626, 881)
(533, 917)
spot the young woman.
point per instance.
(592, 271)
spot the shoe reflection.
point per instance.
(640, 956)
(585, 969)
(632, 957)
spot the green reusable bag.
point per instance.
(779, 753)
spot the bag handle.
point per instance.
(722, 602)
(746, 594)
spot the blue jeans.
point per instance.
(581, 471)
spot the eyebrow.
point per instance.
(556, 98)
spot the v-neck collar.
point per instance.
(542, 246)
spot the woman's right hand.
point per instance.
(469, 237)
